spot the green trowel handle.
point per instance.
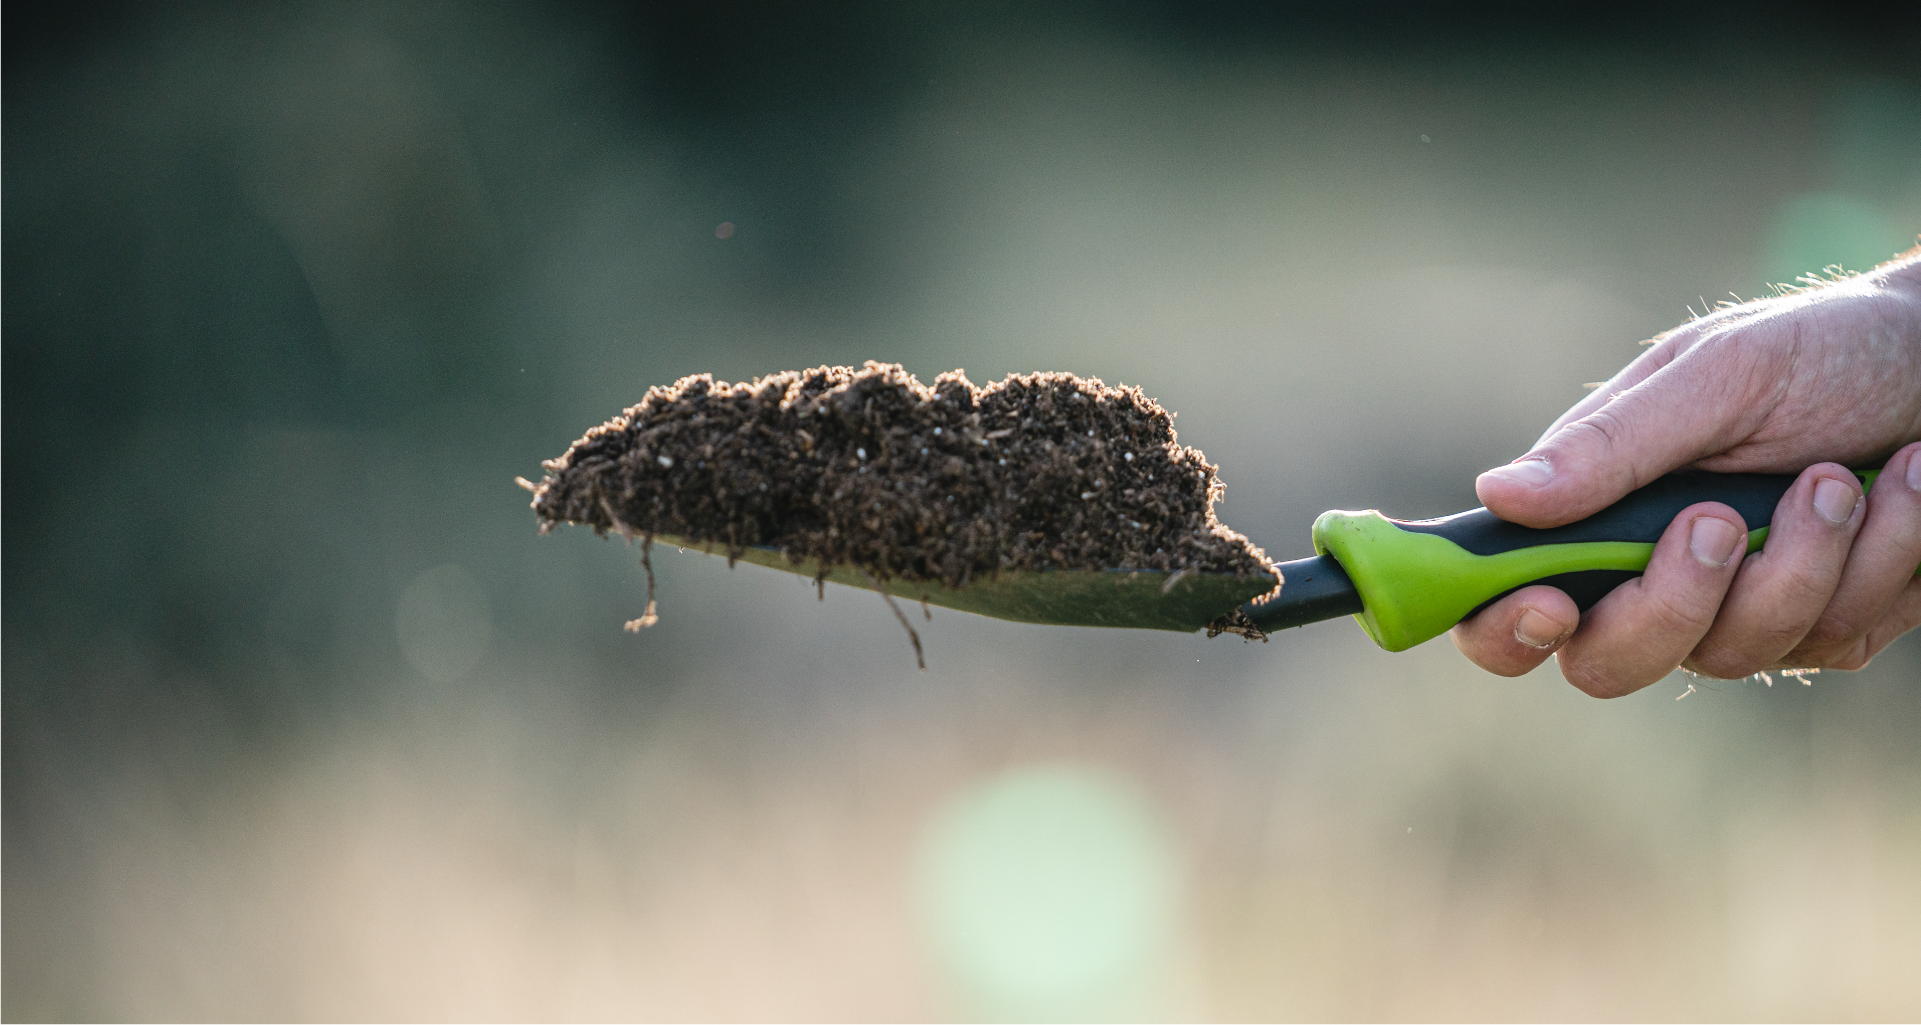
(1417, 579)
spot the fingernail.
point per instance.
(1536, 630)
(1914, 472)
(1529, 473)
(1835, 501)
(1713, 540)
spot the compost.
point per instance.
(873, 469)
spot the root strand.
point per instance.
(919, 659)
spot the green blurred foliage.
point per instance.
(1873, 208)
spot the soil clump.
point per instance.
(873, 469)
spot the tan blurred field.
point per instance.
(237, 786)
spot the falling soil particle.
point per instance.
(870, 468)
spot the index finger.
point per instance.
(1660, 352)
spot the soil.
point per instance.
(873, 469)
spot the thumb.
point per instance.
(1688, 410)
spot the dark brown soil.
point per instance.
(873, 469)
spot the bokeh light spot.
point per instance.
(442, 622)
(725, 230)
(1822, 229)
(1049, 892)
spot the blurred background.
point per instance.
(302, 719)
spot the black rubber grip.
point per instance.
(1642, 516)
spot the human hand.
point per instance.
(1802, 383)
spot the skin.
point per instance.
(1810, 383)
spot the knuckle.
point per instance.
(1585, 433)
(1830, 632)
(1804, 588)
(1846, 657)
(1604, 424)
(1602, 429)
